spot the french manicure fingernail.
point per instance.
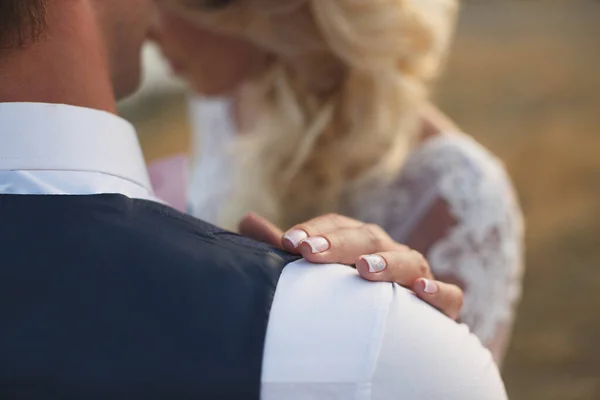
(376, 263)
(317, 244)
(430, 287)
(295, 236)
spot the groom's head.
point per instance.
(121, 24)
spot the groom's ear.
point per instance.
(21, 22)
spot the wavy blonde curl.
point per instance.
(338, 100)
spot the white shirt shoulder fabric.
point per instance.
(335, 336)
(331, 335)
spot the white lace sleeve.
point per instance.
(454, 202)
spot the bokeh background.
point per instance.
(524, 79)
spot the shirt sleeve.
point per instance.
(425, 355)
(332, 335)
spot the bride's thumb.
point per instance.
(259, 228)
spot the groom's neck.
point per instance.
(67, 65)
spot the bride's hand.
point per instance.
(337, 239)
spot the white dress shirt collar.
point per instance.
(57, 137)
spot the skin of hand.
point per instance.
(334, 238)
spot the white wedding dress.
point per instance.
(481, 249)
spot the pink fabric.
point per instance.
(169, 180)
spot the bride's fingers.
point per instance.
(337, 239)
(344, 246)
(445, 297)
(411, 270)
(316, 227)
(401, 267)
(258, 228)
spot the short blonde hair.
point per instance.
(338, 101)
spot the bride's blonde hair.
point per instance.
(338, 98)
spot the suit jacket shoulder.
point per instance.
(109, 297)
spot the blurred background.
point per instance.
(524, 79)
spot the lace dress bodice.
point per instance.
(480, 246)
(477, 244)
